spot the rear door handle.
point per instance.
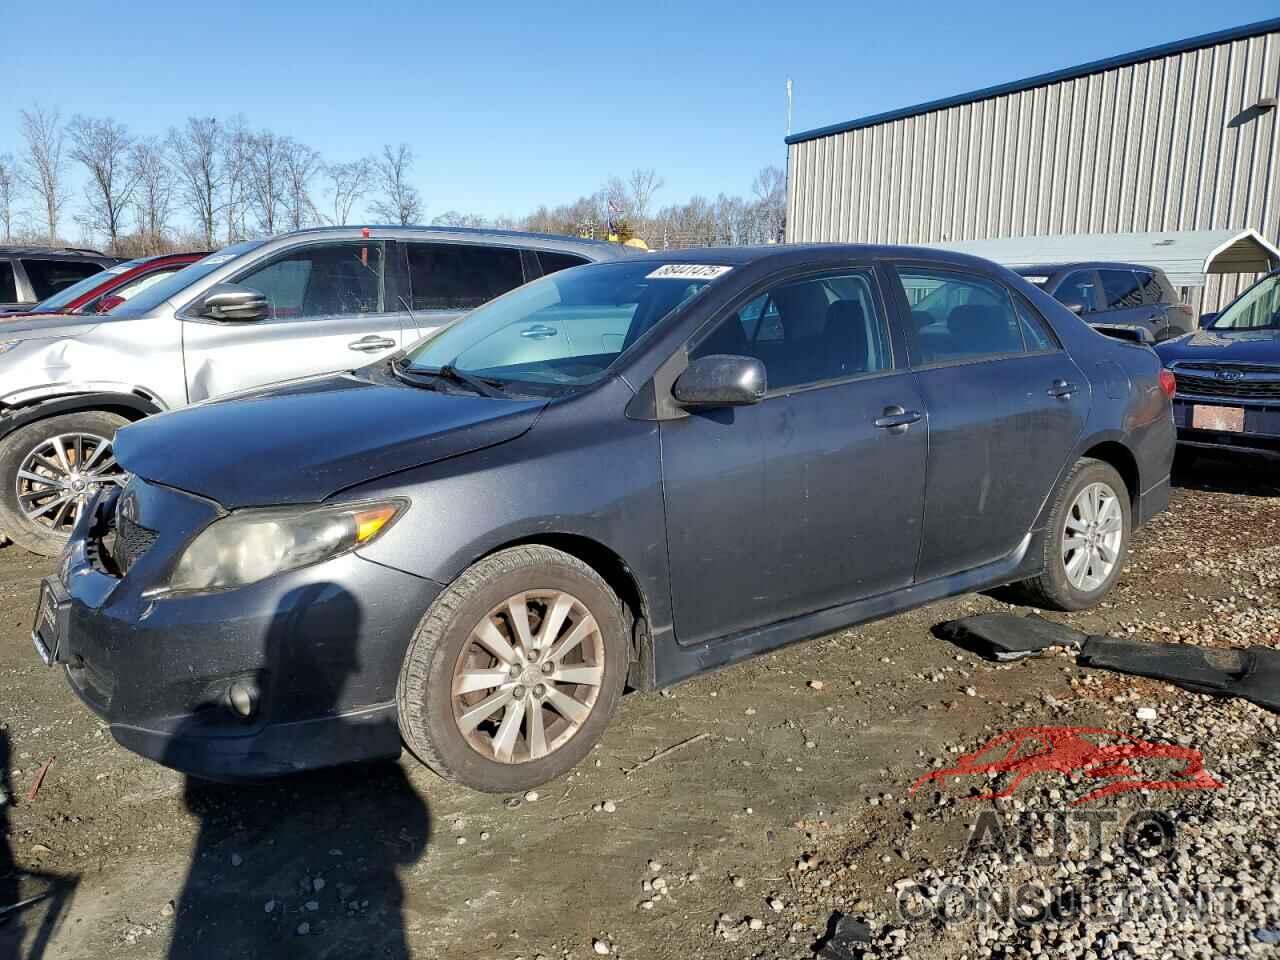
(371, 344)
(1062, 390)
(896, 419)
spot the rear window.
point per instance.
(8, 289)
(49, 276)
(454, 276)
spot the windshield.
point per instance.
(1257, 309)
(59, 300)
(175, 283)
(566, 330)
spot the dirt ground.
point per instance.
(387, 861)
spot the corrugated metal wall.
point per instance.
(1165, 144)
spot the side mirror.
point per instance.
(1206, 319)
(108, 303)
(721, 380)
(230, 301)
(1076, 308)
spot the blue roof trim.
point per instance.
(1055, 76)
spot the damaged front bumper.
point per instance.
(294, 672)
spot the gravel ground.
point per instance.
(790, 806)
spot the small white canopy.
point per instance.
(1185, 256)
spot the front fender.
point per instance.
(129, 404)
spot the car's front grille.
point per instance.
(131, 542)
(1237, 382)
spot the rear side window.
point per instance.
(1153, 291)
(449, 276)
(551, 262)
(1078, 289)
(1035, 331)
(808, 331)
(959, 316)
(49, 276)
(1121, 289)
(8, 288)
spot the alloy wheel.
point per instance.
(59, 473)
(1092, 537)
(528, 676)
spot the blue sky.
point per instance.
(511, 104)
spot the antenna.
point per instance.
(788, 106)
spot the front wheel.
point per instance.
(1087, 540)
(48, 469)
(514, 672)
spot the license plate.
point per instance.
(53, 613)
(1224, 419)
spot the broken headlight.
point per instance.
(251, 545)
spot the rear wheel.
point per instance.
(1087, 540)
(48, 469)
(515, 670)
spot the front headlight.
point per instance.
(250, 545)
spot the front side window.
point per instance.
(457, 276)
(807, 331)
(322, 280)
(1121, 289)
(1257, 309)
(8, 288)
(1078, 290)
(959, 316)
(50, 276)
(564, 331)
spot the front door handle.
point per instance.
(371, 344)
(897, 419)
(539, 331)
(1062, 390)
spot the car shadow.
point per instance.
(1241, 473)
(308, 863)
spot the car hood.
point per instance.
(303, 441)
(41, 326)
(1243, 346)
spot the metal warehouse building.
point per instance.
(1180, 137)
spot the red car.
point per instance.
(106, 290)
(1091, 752)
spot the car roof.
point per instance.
(594, 249)
(785, 254)
(1049, 269)
(60, 253)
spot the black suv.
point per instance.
(31, 274)
(1122, 299)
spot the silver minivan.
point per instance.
(253, 313)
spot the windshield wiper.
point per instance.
(484, 386)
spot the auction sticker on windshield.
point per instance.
(687, 271)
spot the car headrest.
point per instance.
(845, 336)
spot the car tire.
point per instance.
(91, 428)
(470, 638)
(1078, 578)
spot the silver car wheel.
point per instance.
(57, 475)
(529, 676)
(1092, 537)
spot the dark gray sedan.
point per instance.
(624, 473)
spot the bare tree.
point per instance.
(399, 202)
(8, 187)
(301, 164)
(349, 182)
(456, 218)
(770, 189)
(235, 166)
(641, 187)
(197, 152)
(103, 147)
(268, 180)
(153, 195)
(42, 167)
